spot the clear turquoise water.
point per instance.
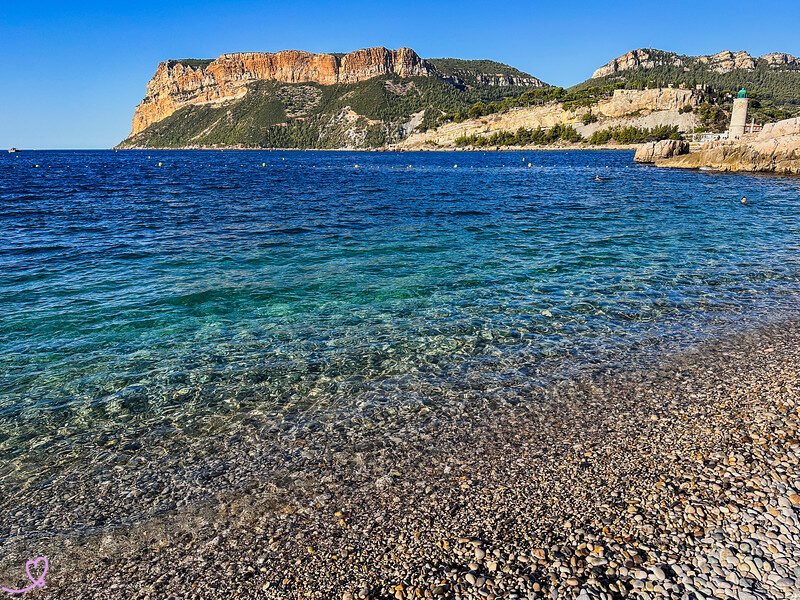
(163, 305)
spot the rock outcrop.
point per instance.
(177, 84)
(722, 62)
(778, 59)
(726, 61)
(627, 102)
(649, 153)
(635, 59)
(503, 80)
(625, 108)
(775, 149)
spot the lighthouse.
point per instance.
(738, 116)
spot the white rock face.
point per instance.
(779, 59)
(773, 130)
(625, 108)
(626, 102)
(650, 152)
(726, 61)
(635, 59)
(722, 62)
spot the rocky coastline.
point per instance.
(175, 84)
(775, 149)
(679, 481)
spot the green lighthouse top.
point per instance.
(742, 93)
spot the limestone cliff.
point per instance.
(292, 99)
(723, 62)
(776, 149)
(635, 59)
(181, 83)
(636, 108)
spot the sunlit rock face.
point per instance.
(177, 84)
(776, 149)
(722, 62)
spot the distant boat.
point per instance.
(12, 150)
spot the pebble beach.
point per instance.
(679, 481)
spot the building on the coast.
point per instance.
(739, 115)
(739, 125)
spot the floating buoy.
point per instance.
(263, 164)
(35, 166)
(159, 164)
(529, 165)
(355, 166)
(455, 166)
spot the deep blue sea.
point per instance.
(156, 297)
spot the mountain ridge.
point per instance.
(721, 62)
(184, 82)
(377, 97)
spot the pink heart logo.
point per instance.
(39, 566)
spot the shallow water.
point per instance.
(148, 310)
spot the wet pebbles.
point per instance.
(679, 482)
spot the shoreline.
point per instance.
(395, 149)
(679, 479)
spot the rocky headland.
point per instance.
(220, 83)
(775, 149)
(181, 83)
(382, 98)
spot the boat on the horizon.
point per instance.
(12, 150)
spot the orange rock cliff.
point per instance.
(176, 84)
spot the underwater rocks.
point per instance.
(676, 482)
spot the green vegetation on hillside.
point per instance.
(460, 67)
(522, 137)
(371, 113)
(775, 92)
(567, 133)
(634, 135)
(571, 99)
(383, 110)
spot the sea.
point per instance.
(160, 310)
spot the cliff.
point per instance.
(722, 62)
(294, 99)
(176, 84)
(625, 108)
(775, 149)
(483, 73)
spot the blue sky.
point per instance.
(73, 71)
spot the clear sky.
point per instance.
(74, 70)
